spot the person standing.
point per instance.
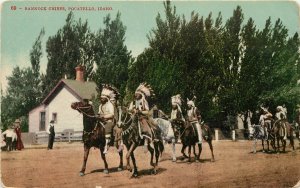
(19, 145)
(10, 136)
(51, 133)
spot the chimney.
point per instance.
(79, 73)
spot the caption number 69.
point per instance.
(13, 7)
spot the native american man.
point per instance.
(194, 118)
(107, 112)
(140, 107)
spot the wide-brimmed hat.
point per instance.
(17, 121)
(52, 121)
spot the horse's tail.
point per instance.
(161, 147)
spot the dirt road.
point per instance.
(235, 166)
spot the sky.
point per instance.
(20, 27)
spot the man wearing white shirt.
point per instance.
(10, 136)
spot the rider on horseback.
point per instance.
(282, 116)
(194, 118)
(176, 114)
(140, 107)
(107, 112)
(265, 121)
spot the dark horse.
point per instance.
(189, 138)
(282, 131)
(131, 138)
(93, 135)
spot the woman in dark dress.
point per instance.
(20, 145)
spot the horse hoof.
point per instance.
(105, 171)
(120, 169)
(174, 160)
(134, 175)
(154, 172)
(212, 160)
(81, 174)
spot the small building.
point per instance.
(57, 105)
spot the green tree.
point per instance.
(111, 54)
(69, 47)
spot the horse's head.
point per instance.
(125, 117)
(83, 107)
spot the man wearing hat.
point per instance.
(51, 133)
(194, 118)
(140, 107)
(107, 112)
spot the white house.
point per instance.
(57, 105)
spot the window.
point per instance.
(42, 121)
(54, 117)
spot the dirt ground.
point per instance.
(235, 166)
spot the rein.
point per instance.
(91, 116)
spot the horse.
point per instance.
(282, 131)
(132, 139)
(256, 132)
(93, 135)
(189, 138)
(167, 133)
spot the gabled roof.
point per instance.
(82, 90)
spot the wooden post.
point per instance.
(233, 135)
(217, 135)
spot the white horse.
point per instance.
(167, 133)
(256, 132)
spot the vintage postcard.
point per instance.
(150, 94)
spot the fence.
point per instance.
(67, 135)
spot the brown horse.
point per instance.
(131, 138)
(93, 135)
(282, 131)
(189, 138)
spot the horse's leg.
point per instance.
(190, 148)
(211, 150)
(195, 154)
(263, 145)
(130, 150)
(135, 171)
(173, 150)
(120, 168)
(183, 149)
(278, 146)
(85, 157)
(254, 145)
(104, 160)
(283, 145)
(151, 150)
(292, 141)
(156, 149)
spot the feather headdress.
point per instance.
(145, 89)
(109, 92)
